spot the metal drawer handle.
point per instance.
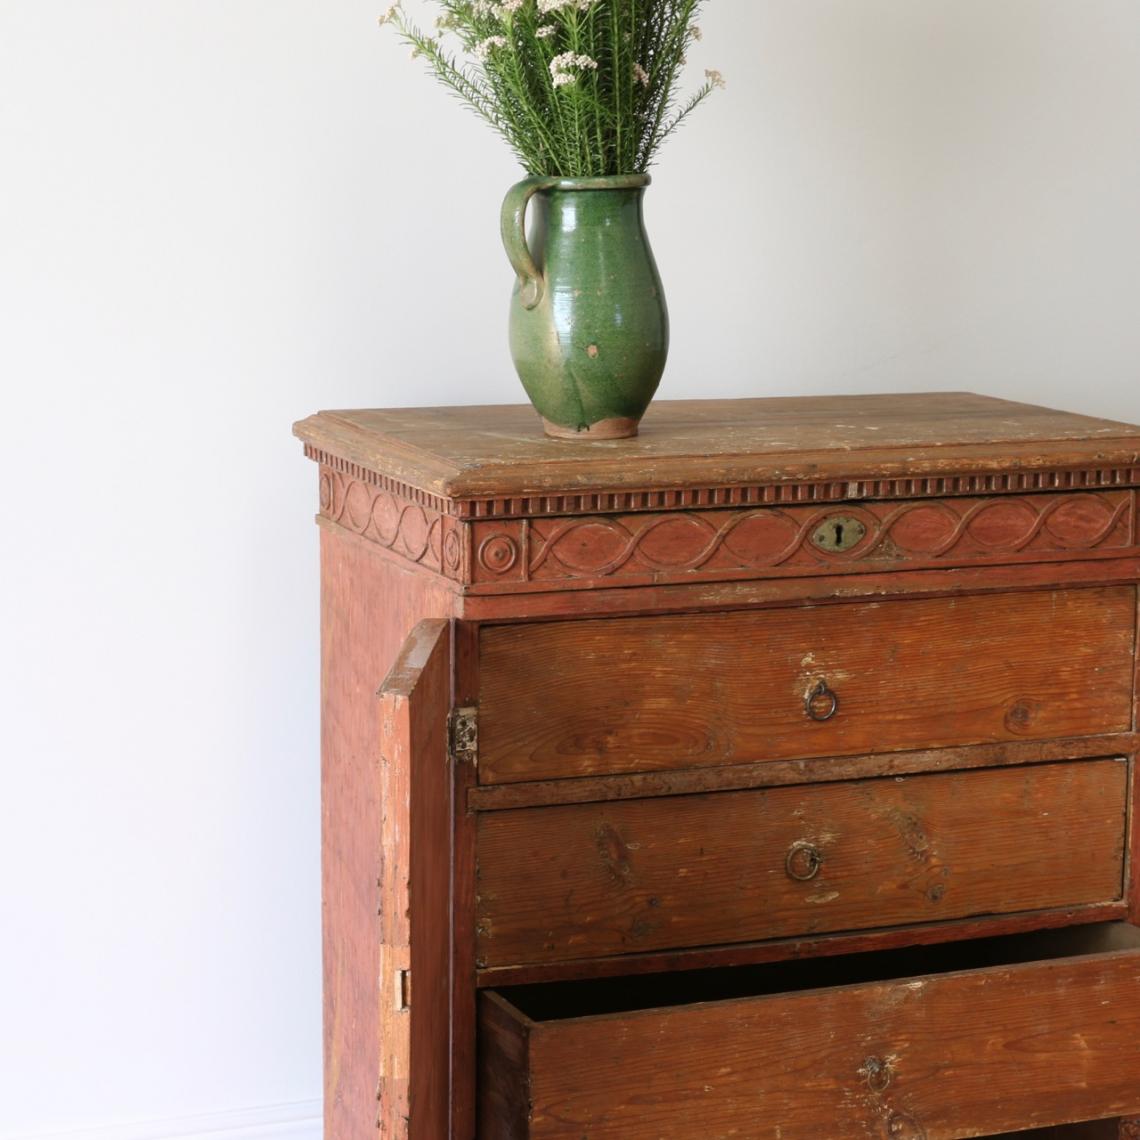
(804, 862)
(821, 704)
(878, 1073)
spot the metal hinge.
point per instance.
(463, 736)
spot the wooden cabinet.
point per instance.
(771, 775)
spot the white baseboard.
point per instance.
(300, 1121)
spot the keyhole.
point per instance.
(838, 534)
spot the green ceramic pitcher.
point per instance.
(589, 328)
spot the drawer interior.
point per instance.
(558, 1001)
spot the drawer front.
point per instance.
(593, 880)
(585, 698)
(938, 1057)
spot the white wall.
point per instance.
(217, 216)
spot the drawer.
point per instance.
(1021, 1032)
(592, 880)
(583, 698)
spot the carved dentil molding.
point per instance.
(634, 500)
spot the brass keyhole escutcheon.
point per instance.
(838, 534)
(804, 862)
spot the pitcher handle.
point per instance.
(531, 283)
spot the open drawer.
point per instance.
(963, 1040)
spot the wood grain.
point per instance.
(780, 773)
(503, 1081)
(368, 607)
(415, 945)
(768, 593)
(598, 879)
(1023, 1043)
(463, 1014)
(565, 699)
(471, 514)
(1132, 868)
(821, 946)
(1086, 1130)
(499, 453)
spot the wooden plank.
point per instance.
(415, 944)
(829, 589)
(566, 699)
(1086, 1130)
(504, 1095)
(368, 607)
(590, 880)
(1132, 866)
(796, 949)
(463, 1018)
(1033, 1043)
(780, 773)
(1136, 680)
(500, 452)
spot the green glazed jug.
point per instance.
(589, 328)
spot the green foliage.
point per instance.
(578, 88)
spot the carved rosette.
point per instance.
(681, 545)
(415, 532)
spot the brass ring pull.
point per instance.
(821, 704)
(878, 1073)
(804, 862)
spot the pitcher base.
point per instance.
(618, 428)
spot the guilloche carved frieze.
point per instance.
(415, 532)
(685, 544)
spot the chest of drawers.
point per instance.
(769, 776)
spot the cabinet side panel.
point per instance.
(368, 607)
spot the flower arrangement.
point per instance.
(578, 88)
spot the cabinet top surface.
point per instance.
(480, 452)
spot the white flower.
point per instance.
(695, 32)
(484, 49)
(715, 78)
(546, 31)
(641, 75)
(568, 63)
(390, 15)
(564, 79)
(546, 6)
(507, 8)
